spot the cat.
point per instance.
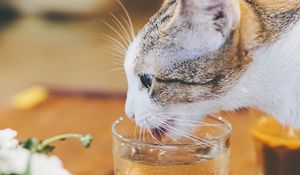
(197, 57)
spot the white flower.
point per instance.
(44, 165)
(13, 161)
(8, 139)
(17, 161)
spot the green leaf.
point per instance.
(45, 149)
(29, 144)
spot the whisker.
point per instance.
(128, 26)
(152, 137)
(192, 137)
(176, 141)
(135, 130)
(113, 48)
(118, 61)
(121, 27)
(115, 41)
(117, 50)
(174, 130)
(128, 17)
(140, 135)
(144, 133)
(114, 54)
(119, 58)
(156, 125)
(188, 122)
(120, 70)
(117, 47)
(117, 64)
(125, 42)
(171, 113)
(116, 69)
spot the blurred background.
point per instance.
(60, 43)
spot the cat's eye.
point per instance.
(146, 80)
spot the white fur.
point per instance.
(149, 115)
(138, 101)
(198, 40)
(271, 83)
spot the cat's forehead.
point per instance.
(153, 29)
(152, 39)
(163, 15)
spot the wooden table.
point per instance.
(83, 115)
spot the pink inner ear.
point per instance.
(217, 11)
(229, 10)
(214, 7)
(230, 7)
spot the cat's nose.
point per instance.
(131, 116)
(129, 109)
(130, 113)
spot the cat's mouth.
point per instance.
(158, 133)
(161, 132)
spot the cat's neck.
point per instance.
(265, 21)
(272, 82)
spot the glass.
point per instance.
(277, 147)
(204, 152)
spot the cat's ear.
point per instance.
(225, 14)
(204, 25)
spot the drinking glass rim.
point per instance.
(226, 135)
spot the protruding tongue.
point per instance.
(158, 133)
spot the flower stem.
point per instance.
(85, 139)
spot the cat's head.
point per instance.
(182, 63)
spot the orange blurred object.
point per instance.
(278, 148)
